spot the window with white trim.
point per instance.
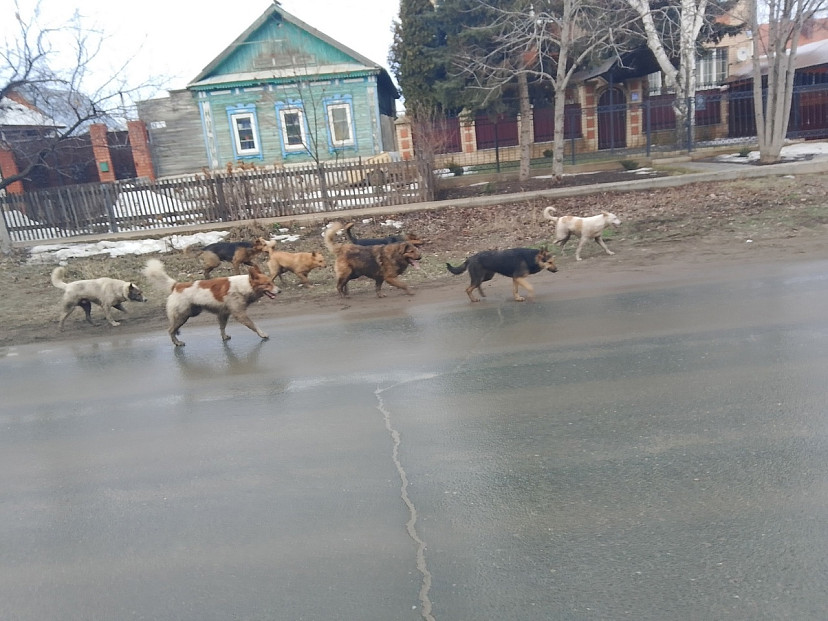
(245, 133)
(292, 123)
(711, 69)
(340, 125)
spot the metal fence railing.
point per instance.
(625, 128)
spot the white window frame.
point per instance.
(349, 121)
(292, 148)
(235, 117)
(711, 69)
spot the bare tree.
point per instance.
(541, 42)
(774, 50)
(49, 71)
(673, 28)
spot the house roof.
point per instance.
(14, 114)
(809, 55)
(360, 65)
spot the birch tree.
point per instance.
(777, 53)
(673, 31)
(536, 42)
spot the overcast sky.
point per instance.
(178, 38)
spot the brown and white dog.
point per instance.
(224, 297)
(583, 228)
(299, 263)
(108, 293)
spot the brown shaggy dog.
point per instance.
(299, 263)
(224, 297)
(384, 263)
(236, 253)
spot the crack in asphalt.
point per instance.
(411, 525)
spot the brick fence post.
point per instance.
(100, 147)
(8, 167)
(141, 155)
(405, 139)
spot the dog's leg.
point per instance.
(523, 282)
(601, 243)
(581, 243)
(175, 326)
(222, 321)
(86, 305)
(399, 285)
(378, 287)
(470, 292)
(107, 308)
(303, 277)
(244, 320)
(67, 310)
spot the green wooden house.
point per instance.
(281, 93)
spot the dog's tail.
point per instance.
(158, 277)
(349, 232)
(547, 213)
(330, 233)
(459, 269)
(57, 277)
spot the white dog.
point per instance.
(224, 297)
(108, 293)
(583, 228)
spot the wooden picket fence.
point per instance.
(211, 197)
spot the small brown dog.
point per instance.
(383, 263)
(299, 263)
(236, 253)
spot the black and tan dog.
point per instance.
(383, 263)
(236, 253)
(516, 263)
(379, 241)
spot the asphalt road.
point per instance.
(658, 451)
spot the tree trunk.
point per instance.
(525, 137)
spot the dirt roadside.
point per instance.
(687, 231)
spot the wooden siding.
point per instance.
(175, 134)
(364, 110)
(279, 44)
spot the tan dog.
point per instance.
(299, 263)
(224, 297)
(108, 293)
(383, 263)
(583, 228)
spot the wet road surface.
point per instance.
(657, 452)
